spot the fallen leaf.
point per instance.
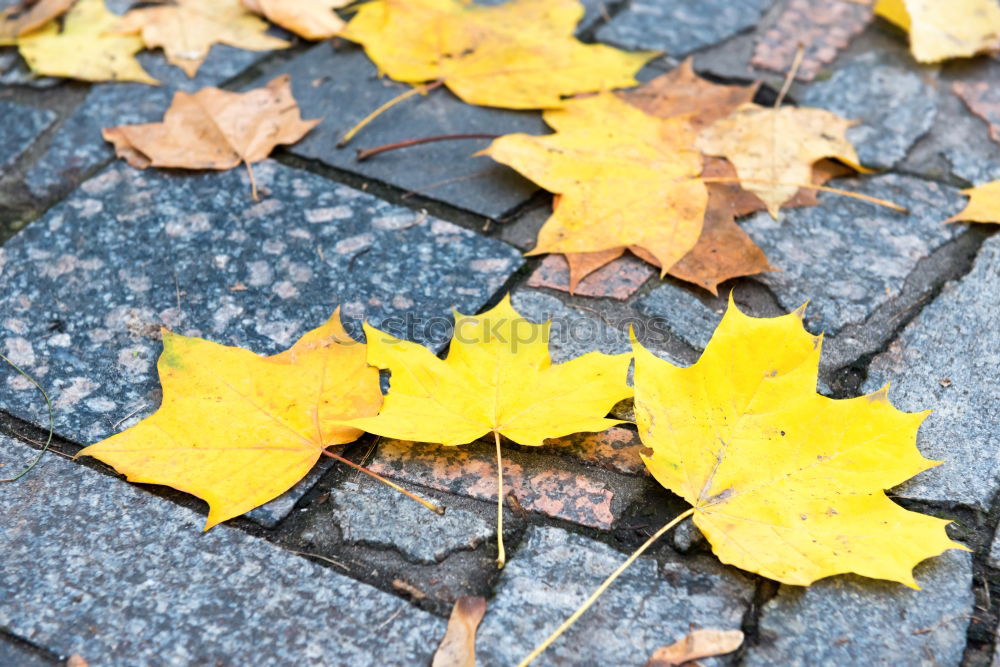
(215, 129)
(784, 482)
(238, 430)
(27, 16)
(983, 205)
(311, 19)
(624, 178)
(518, 55)
(187, 29)
(697, 644)
(774, 150)
(84, 48)
(942, 29)
(458, 648)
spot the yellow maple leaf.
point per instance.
(237, 429)
(774, 150)
(497, 378)
(942, 29)
(187, 29)
(625, 178)
(518, 55)
(310, 19)
(84, 48)
(983, 206)
(784, 482)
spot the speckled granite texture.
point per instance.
(20, 125)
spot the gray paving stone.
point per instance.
(688, 317)
(649, 606)
(20, 125)
(87, 287)
(77, 148)
(680, 26)
(994, 557)
(847, 257)
(850, 620)
(894, 104)
(946, 361)
(573, 333)
(16, 656)
(102, 568)
(342, 86)
(371, 513)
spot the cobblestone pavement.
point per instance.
(96, 256)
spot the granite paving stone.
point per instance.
(20, 125)
(649, 606)
(849, 620)
(371, 513)
(994, 556)
(619, 279)
(891, 101)
(88, 286)
(680, 310)
(680, 26)
(17, 656)
(946, 361)
(104, 569)
(342, 86)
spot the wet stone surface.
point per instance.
(342, 86)
(106, 570)
(649, 606)
(848, 620)
(946, 361)
(20, 125)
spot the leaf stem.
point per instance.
(365, 153)
(603, 587)
(253, 182)
(52, 421)
(437, 509)
(809, 186)
(501, 554)
(419, 90)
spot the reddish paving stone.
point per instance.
(618, 280)
(616, 449)
(983, 99)
(470, 470)
(823, 27)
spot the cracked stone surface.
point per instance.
(371, 513)
(109, 571)
(892, 103)
(553, 571)
(849, 620)
(343, 86)
(19, 128)
(946, 361)
(680, 26)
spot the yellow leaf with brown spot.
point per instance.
(311, 19)
(518, 55)
(237, 429)
(943, 29)
(784, 482)
(187, 29)
(983, 206)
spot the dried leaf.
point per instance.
(942, 29)
(85, 48)
(517, 55)
(27, 16)
(774, 150)
(311, 19)
(215, 129)
(458, 648)
(983, 206)
(238, 430)
(187, 29)
(698, 644)
(784, 482)
(624, 178)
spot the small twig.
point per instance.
(809, 186)
(127, 417)
(253, 182)
(419, 90)
(365, 153)
(501, 554)
(52, 421)
(437, 509)
(322, 558)
(792, 71)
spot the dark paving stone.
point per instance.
(894, 104)
(946, 361)
(88, 286)
(573, 333)
(20, 125)
(680, 26)
(15, 655)
(98, 567)
(649, 606)
(680, 310)
(850, 620)
(343, 86)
